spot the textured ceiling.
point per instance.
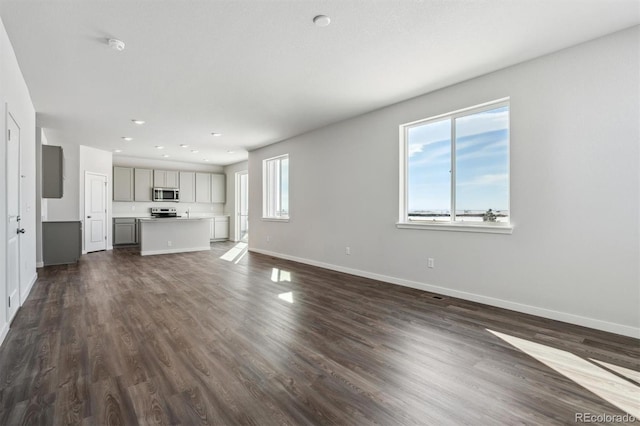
(259, 71)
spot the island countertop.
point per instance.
(171, 219)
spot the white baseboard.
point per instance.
(174, 250)
(4, 332)
(27, 290)
(39, 264)
(611, 327)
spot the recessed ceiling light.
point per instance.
(216, 134)
(204, 159)
(159, 147)
(321, 20)
(138, 122)
(116, 44)
(182, 145)
(229, 152)
(165, 155)
(117, 150)
(127, 138)
(194, 151)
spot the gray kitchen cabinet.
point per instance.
(52, 171)
(166, 179)
(122, 183)
(218, 188)
(61, 242)
(220, 228)
(125, 230)
(143, 184)
(187, 187)
(203, 187)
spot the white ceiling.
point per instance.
(259, 71)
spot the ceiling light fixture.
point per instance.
(165, 155)
(116, 44)
(229, 152)
(321, 20)
(194, 151)
(127, 138)
(117, 150)
(159, 147)
(138, 122)
(216, 134)
(183, 145)
(204, 159)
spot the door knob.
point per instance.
(21, 231)
(88, 217)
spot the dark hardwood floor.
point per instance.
(194, 339)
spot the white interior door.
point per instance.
(95, 212)
(242, 206)
(14, 231)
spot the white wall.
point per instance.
(15, 98)
(230, 206)
(574, 252)
(95, 161)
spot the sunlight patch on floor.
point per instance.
(626, 372)
(618, 391)
(278, 275)
(238, 250)
(287, 297)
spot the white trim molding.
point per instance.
(26, 292)
(597, 324)
(456, 227)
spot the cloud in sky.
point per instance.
(488, 179)
(426, 134)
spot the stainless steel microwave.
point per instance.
(166, 194)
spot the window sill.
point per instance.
(275, 219)
(457, 227)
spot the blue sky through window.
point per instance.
(482, 164)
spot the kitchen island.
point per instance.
(174, 235)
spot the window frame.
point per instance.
(404, 222)
(268, 187)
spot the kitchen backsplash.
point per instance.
(138, 209)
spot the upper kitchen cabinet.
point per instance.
(187, 187)
(122, 183)
(143, 183)
(218, 188)
(52, 171)
(203, 187)
(166, 179)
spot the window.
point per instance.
(275, 181)
(455, 170)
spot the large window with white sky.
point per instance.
(276, 188)
(457, 167)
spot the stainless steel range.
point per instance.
(161, 212)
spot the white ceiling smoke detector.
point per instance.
(116, 44)
(321, 20)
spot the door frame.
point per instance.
(238, 223)
(9, 116)
(84, 211)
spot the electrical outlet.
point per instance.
(431, 263)
(347, 250)
(169, 243)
